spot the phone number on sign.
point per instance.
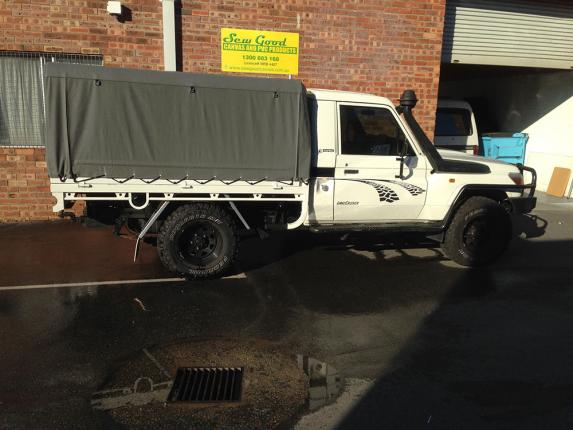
(260, 57)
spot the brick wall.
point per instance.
(24, 189)
(375, 46)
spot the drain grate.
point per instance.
(207, 384)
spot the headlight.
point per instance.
(516, 177)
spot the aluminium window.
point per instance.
(22, 119)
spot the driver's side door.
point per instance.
(367, 183)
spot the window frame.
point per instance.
(413, 150)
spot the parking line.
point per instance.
(91, 284)
(106, 283)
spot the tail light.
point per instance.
(476, 150)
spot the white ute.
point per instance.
(373, 169)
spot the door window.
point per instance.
(369, 131)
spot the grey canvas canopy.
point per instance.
(122, 123)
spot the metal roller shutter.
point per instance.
(527, 33)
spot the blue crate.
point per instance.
(505, 146)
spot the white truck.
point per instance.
(370, 167)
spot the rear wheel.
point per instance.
(479, 232)
(198, 241)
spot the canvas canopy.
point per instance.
(122, 123)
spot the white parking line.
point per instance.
(91, 284)
(106, 283)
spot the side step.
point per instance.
(428, 228)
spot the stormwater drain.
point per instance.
(216, 384)
(223, 384)
(325, 383)
(207, 384)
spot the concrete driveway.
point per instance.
(422, 342)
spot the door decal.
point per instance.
(387, 194)
(412, 189)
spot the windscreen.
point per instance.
(453, 122)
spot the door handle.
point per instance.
(351, 171)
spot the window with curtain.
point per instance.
(22, 96)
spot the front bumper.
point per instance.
(526, 203)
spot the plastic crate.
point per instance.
(505, 146)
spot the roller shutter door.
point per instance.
(526, 33)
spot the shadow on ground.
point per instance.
(495, 353)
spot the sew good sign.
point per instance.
(252, 51)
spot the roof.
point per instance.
(349, 96)
(454, 103)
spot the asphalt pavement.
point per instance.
(421, 342)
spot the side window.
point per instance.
(369, 131)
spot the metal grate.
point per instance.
(207, 384)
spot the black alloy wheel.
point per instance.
(198, 241)
(479, 232)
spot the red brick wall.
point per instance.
(24, 189)
(375, 46)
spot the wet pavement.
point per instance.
(438, 345)
(65, 251)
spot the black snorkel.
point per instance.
(408, 101)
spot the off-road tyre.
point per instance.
(194, 226)
(479, 232)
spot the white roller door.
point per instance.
(526, 33)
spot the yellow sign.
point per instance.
(252, 51)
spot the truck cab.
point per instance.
(357, 157)
(375, 169)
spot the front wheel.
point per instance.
(198, 241)
(479, 232)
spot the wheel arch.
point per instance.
(497, 194)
